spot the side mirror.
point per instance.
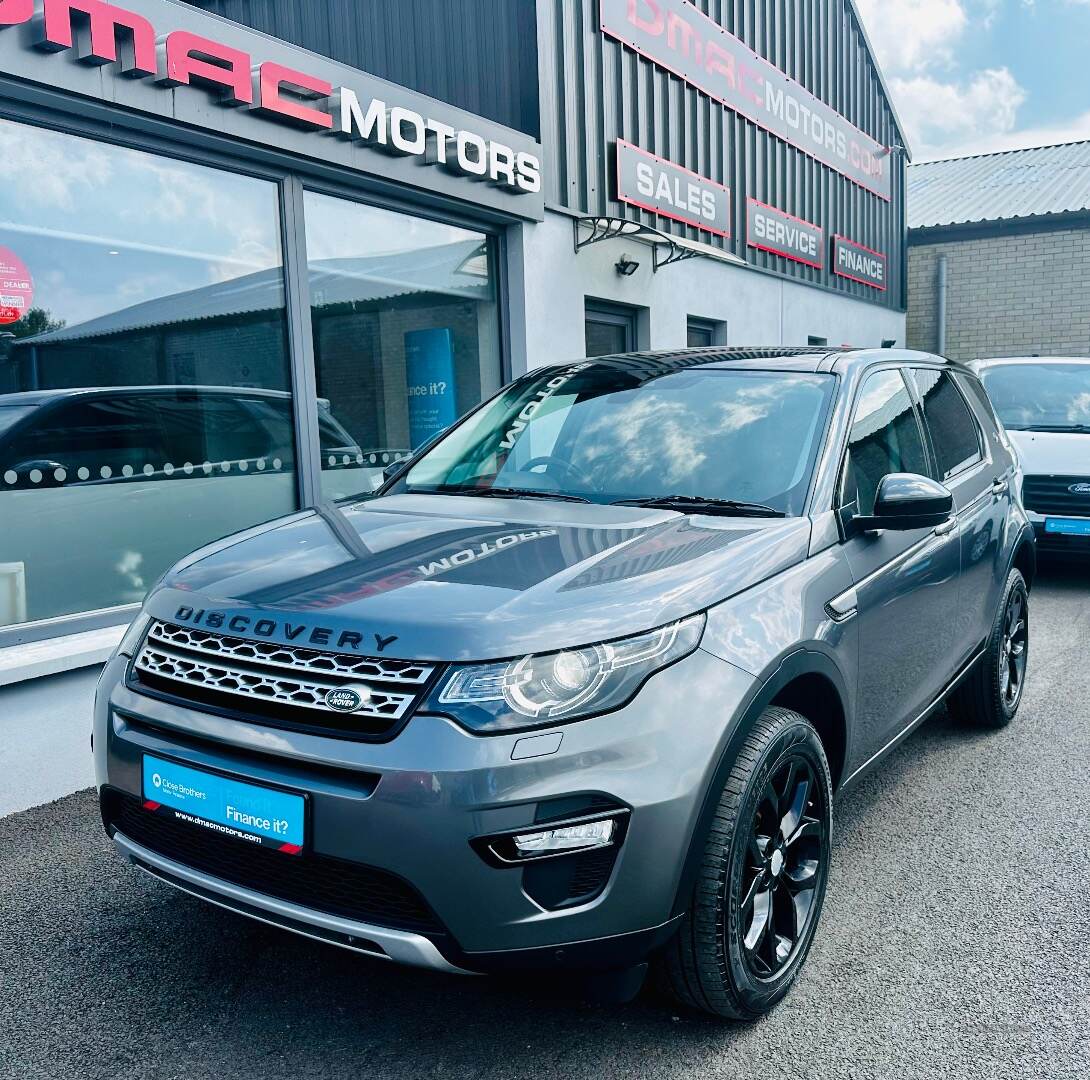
(907, 501)
(393, 469)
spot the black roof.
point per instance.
(764, 358)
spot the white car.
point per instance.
(1044, 403)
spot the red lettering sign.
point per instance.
(106, 21)
(190, 56)
(14, 12)
(275, 78)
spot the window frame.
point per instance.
(982, 446)
(844, 516)
(607, 313)
(104, 123)
(716, 329)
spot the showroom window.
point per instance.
(406, 333)
(145, 404)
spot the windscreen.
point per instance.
(1040, 397)
(606, 434)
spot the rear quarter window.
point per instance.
(955, 431)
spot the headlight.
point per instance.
(539, 690)
(134, 635)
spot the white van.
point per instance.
(1044, 402)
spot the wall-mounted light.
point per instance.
(625, 266)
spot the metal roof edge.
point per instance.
(998, 153)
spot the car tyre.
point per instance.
(762, 875)
(990, 694)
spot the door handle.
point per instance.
(946, 527)
(999, 487)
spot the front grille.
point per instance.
(1053, 495)
(336, 886)
(283, 685)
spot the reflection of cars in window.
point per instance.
(1044, 403)
(110, 435)
(577, 686)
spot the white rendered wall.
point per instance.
(549, 284)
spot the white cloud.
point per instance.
(945, 110)
(946, 116)
(910, 35)
(1075, 130)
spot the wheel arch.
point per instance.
(1025, 556)
(804, 681)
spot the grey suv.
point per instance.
(576, 687)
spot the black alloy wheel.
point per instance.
(990, 694)
(1015, 641)
(786, 852)
(760, 884)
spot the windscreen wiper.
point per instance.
(1059, 429)
(696, 505)
(497, 492)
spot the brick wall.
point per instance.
(1005, 296)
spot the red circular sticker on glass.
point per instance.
(16, 287)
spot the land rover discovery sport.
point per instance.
(577, 686)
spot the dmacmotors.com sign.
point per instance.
(681, 38)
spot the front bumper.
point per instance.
(411, 807)
(1052, 543)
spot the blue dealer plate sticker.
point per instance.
(1068, 526)
(227, 807)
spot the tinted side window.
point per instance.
(974, 388)
(885, 438)
(93, 434)
(955, 435)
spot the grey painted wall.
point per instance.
(593, 91)
(1012, 295)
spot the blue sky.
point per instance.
(973, 76)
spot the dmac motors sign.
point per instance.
(679, 37)
(322, 109)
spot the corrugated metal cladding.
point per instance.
(999, 187)
(480, 55)
(594, 90)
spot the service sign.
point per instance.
(862, 264)
(655, 184)
(771, 229)
(679, 37)
(180, 64)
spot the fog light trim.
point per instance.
(554, 839)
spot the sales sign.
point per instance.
(679, 37)
(771, 229)
(852, 260)
(655, 184)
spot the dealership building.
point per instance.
(253, 252)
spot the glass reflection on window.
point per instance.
(405, 334)
(144, 389)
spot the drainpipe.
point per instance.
(941, 306)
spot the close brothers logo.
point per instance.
(95, 30)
